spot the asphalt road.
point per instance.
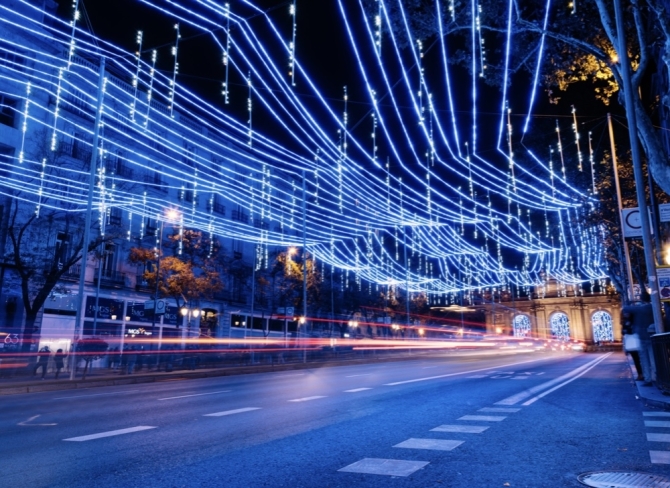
(527, 420)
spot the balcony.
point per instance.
(72, 273)
(76, 151)
(216, 207)
(109, 278)
(143, 285)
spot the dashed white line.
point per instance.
(389, 467)
(455, 374)
(483, 418)
(231, 412)
(432, 444)
(355, 375)
(499, 409)
(111, 433)
(306, 399)
(356, 390)
(194, 395)
(462, 429)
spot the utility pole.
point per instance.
(626, 273)
(637, 168)
(87, 224)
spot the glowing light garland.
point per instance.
(451, 239)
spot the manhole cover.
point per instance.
(623, 479)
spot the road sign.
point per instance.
(285, 310)
(632, 225)
(161, 306)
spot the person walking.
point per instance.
(637, 319)
(42, 360)
(59, 361)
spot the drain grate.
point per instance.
(623, 479)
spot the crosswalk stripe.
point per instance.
(109, 434)
(656, 423)
(462, 429)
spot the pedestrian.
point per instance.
(637, 320)
(59, 361)
(132, 359)
(42, 360)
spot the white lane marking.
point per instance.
(499, 409)
(306, 399)
(356, 390)
(96, 394)
(429, 367)
(26, 424)
(457, 374)
(194, 395)
(660, 457)
(656, 423)
(433, 444)
(514, 399)
(110, 433)
(520, 378)
(475, 376)
(483, 418)
(656, 414)
(463, 429)
(231, 412)
(498, 376)
(355, 375)
(541, 373)
(545, 393)
(389, 467)
(653, 437)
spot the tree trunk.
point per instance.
(28, 328)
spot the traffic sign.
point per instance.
(161, 306)
(632, 225)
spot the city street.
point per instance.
(531, 420)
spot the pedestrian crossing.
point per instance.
(659, 438)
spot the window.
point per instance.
(150, 227)
(214, 205)
(114, 216)
(61, 252)
(10, 58)
(8, 108)
(6, 160)
(115, 165)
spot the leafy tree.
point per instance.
(187, 278)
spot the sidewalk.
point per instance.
(651, 395)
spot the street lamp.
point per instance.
(189, 313)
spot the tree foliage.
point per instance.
(188, 277)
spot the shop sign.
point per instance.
(138, 331)
(108, 308)
(136, 312)
(172, 316)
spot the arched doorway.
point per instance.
(521, 325)
(560, 326)
(603, 330)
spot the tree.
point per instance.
(579, 49)
(187, 277)
(45, 235)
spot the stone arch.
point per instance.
(602, 325)
(559, 324)
(521, 325)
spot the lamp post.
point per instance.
(188, 313)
